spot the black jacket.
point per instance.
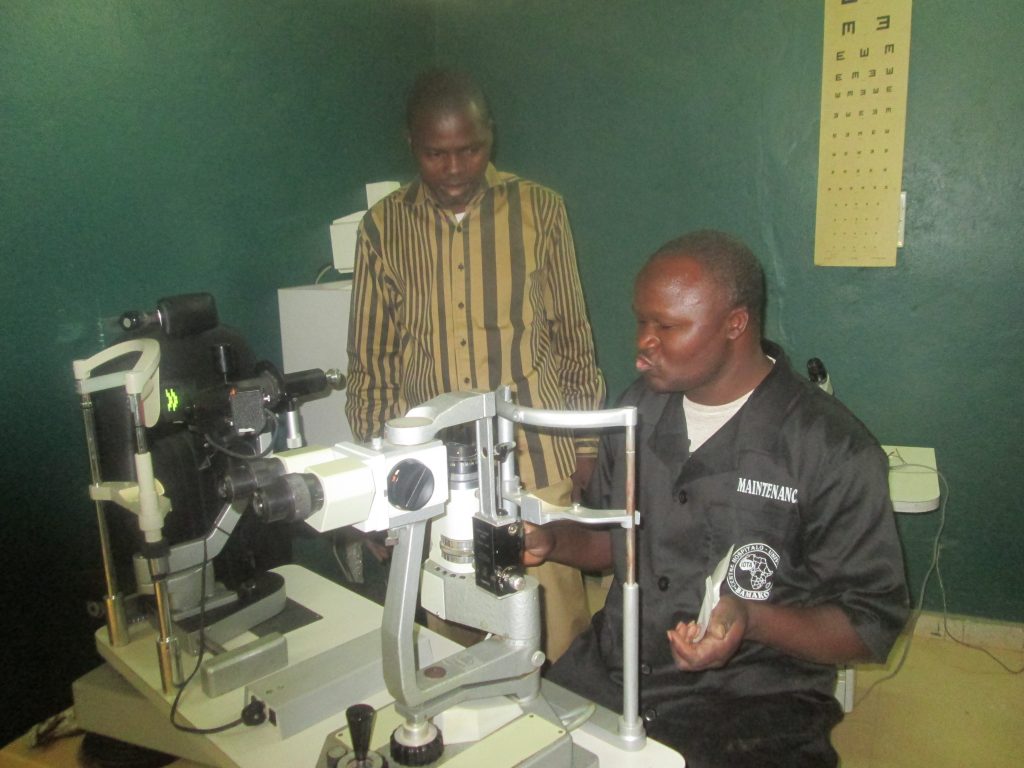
(797, 485)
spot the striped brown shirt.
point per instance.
(441, 305)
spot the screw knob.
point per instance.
(334, 756)
(413, 747)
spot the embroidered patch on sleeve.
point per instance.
(751, 571)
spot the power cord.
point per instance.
(945, 630)
(325, 270)
(934, 566)
(937, 556)
(253, 713)
(275, 424)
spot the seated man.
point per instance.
(735, 453)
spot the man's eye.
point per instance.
(653, 324)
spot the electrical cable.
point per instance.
(275, 424)
(328, 268)
(927, 576)
(945, 629)
(323, 272)
(937, 557)
(345, 572)
(199, 661)
(933, 566)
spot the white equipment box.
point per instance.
(314, 334)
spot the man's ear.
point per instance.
(737, 322)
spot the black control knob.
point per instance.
(422, 746)
(410, 485)
(360, 719)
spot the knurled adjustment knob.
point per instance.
(416, 745)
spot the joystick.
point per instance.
(360, 719)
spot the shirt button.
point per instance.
(650, 715)
(645, 669)
(465, 381)
(681, 496)
(462, 343)
(462, 267)
(462, 305)
(663, 583)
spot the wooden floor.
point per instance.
(949, 705)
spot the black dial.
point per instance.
(410, 485)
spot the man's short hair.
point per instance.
(444, 90)
(731, 263)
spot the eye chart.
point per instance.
(863, 116)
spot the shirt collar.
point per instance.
(758, 426)
(774, 398)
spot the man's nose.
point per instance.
(645, 339)
(453, 164)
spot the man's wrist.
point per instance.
(752, 614)
(746, 611)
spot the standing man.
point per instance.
(738, 460)
(466, 278)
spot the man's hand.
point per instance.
(725, 632)
(537, 544)
(569, 543)
(581, 477)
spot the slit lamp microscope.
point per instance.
(467, 497)
(471, 498)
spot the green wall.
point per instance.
(661, 116)
(154, 148)
(150, 149)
